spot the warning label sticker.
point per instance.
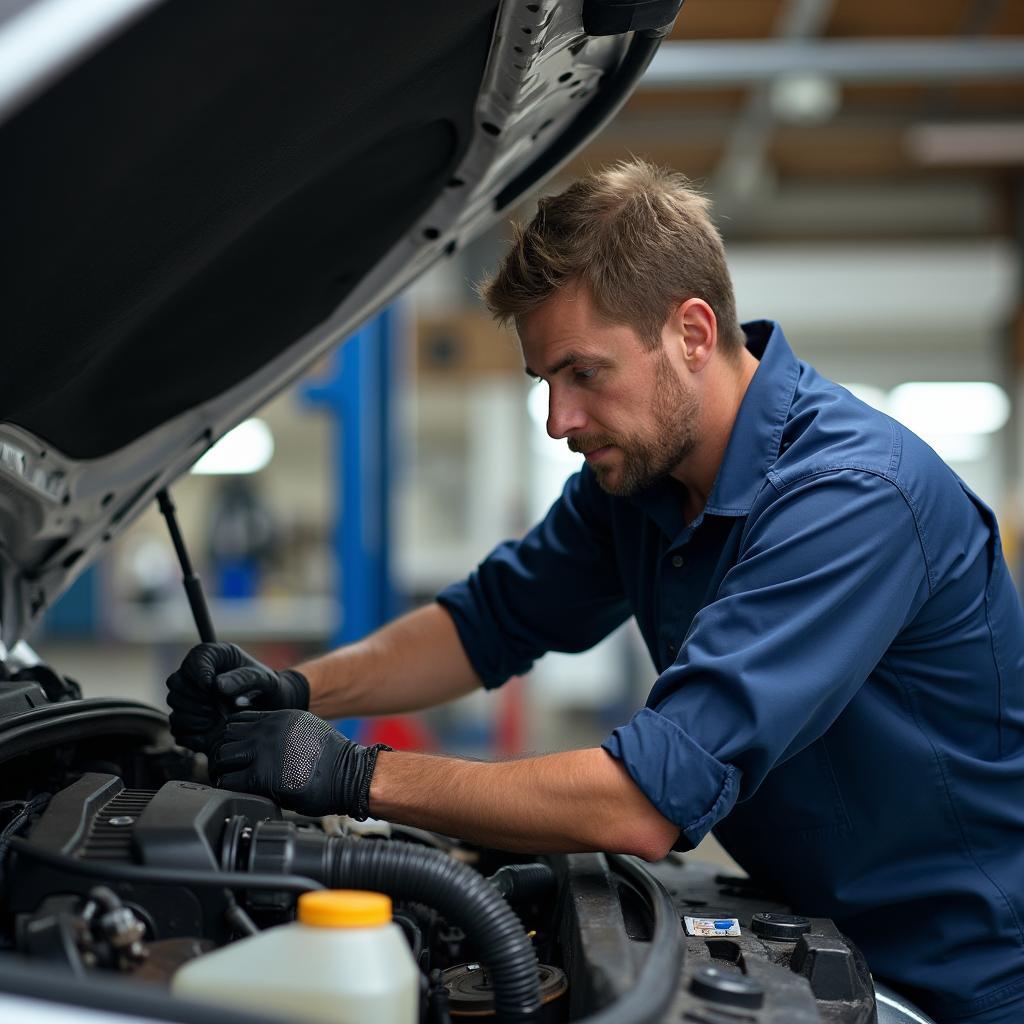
(711, 926)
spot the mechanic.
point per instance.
(839, 642)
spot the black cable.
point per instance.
(163, 876)
(10, 830)
(655, 985)
(193, 586)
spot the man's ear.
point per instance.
(693, 323)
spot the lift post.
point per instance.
(357, 391)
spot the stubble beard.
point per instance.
(645, 460)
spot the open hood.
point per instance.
(199, 199)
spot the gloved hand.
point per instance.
(204, 691)
(298, 760)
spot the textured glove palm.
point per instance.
(298, 760)
(212, 678)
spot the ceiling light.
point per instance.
(953, 417)
(805, 99)
(246, 449)
(945, 407)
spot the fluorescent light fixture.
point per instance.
(954, 417)
(246, 449)
(945, 407)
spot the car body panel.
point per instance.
(201, 201)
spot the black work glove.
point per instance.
(300, 761)
(215, 679)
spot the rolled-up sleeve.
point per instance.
(829, 572)
(557, 589)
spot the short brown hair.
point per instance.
(638, 237)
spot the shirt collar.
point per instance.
(754, 442)
(757, 433)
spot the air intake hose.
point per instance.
(405, 871)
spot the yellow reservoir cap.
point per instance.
(344, 908)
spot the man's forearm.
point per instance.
(573, 801)
(415, 662)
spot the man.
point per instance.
(839, 643)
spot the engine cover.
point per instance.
(180, 825)
(801, 972)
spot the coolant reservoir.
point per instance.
(342, 962)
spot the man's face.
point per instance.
(622, 405)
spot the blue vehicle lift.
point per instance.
(357, 391)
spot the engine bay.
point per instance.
(119, 863)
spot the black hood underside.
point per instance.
(200, 199)
(224, 176)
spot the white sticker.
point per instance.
(711, 926)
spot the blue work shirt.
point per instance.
(841, 659)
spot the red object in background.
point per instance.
(408, 732)
(403, 732)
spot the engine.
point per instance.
(118, 862)
(140, 881)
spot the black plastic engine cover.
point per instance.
(178, 826)
(796, 971)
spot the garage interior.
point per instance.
(865, 164)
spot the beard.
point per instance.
(646, 459)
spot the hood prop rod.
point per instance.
(193, 586)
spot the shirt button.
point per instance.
(672, 650)
(677, 561)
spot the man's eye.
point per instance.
(588, 374)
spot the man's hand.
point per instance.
(296, 759)
(214, 679)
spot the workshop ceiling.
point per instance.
(907, 119)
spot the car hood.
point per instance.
(199, 199)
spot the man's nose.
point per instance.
(564, 416)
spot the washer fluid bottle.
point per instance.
(344, 961)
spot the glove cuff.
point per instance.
(298, 688)
(368, 762)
